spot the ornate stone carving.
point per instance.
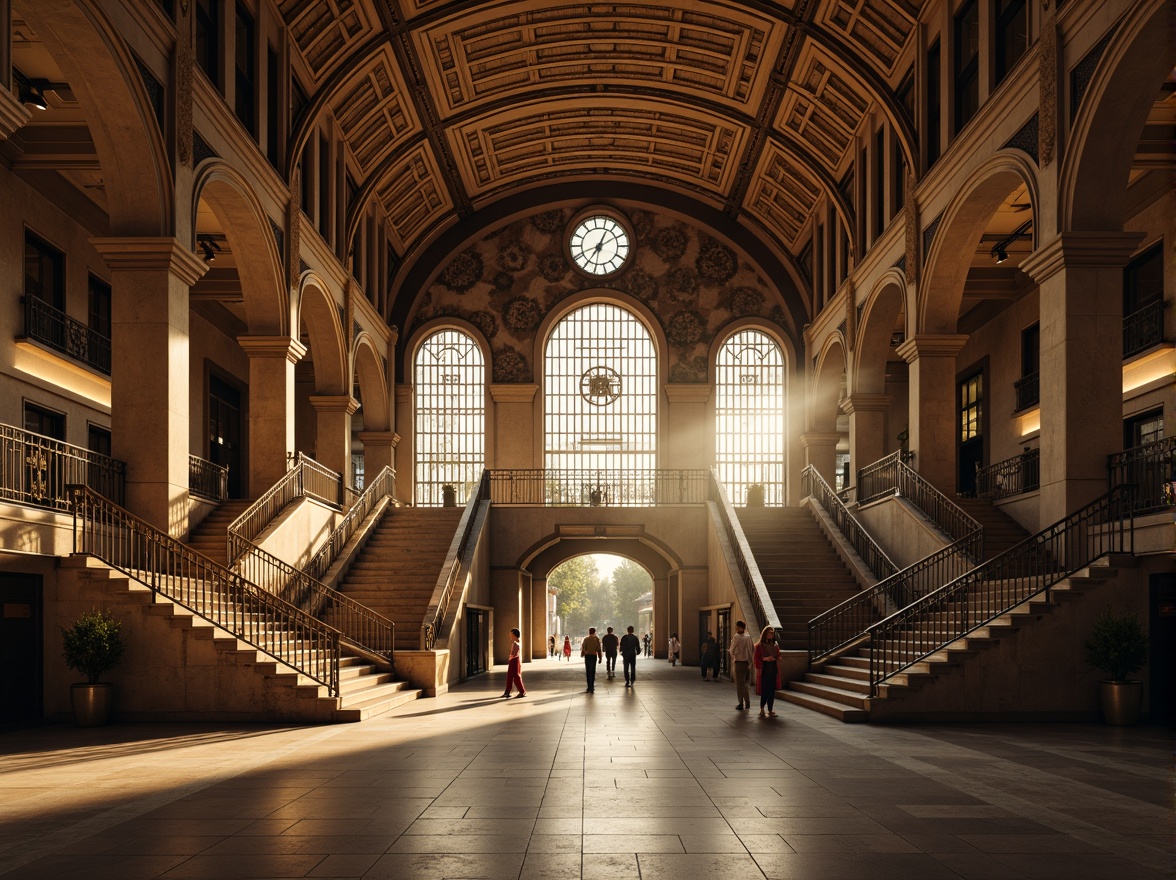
(1047, 59)
(185, 135)
(911, 230)
(294, 230)
(850, 316)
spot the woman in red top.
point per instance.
(567, 651)
(769, 676)
(514, 667)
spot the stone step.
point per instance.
(833, 694)
(840, 711)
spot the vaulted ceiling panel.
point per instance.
(414, 196)
(375, 114)
(879, 29)
(782, 193)
(325, 30)
(822, 108)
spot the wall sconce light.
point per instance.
(32, 91)
(1000, 250)
(208, 244)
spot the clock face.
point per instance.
(599, 245)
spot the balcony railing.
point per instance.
(540, 487)
(207, 480)
(1028, 389)
(57, 330)
(1143, 329)
(1152, 469)
(892, 476)
(1013, 476)
(35, 469)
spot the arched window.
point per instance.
(749, 416)
(600, 407)
(449, 383)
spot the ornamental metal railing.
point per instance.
(55, 329)
(447, 584)
(547, 487)
(1028, 391)
(866, 547)
(994, 588)
(207, 480)
(754, 588)
(193, 581)
(35, 470)
(382, 486)
(1143, 328)
(1013, 476)
(306, 478)
(1152, 468)
(892, 476)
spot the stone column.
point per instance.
(688, 440)
(379, 451)
(271, 407)
(405, 449)
(150, 402)
(332, 447)
(820, 451)
(513, 422)
(1080, 279)
(933, 429)
(537, 619)
(867, 429)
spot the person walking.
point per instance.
(610, 643)
(769, 672)
(590, 650)
(567, 648)
(551, 646)
(514, 667)
(708, 653)
(742, 651)
(646, 641)
(630, 648)
(675, 648)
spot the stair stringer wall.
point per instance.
(901, 530)
(1034, 672)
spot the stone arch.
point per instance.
(941, 289)
(317, 309)
(879, 314)
(791, 357)
(102, 73)
(427, 329)
(831, 366)
(230, 197)
(1092, 190)
(368, 369)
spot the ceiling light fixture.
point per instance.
(209, 245)
(1000, 250)
(32, 91)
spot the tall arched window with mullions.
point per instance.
(449, 383)
(749, 416)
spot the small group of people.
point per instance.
(565, 653)
(764, 656)
(595, 649)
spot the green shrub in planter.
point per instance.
(1117, 645)
(92, 645)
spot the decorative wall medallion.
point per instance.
(600, 386)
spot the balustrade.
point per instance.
(1143, 328)
(207, 480)
(1152, 469)
(1013, 476)
(35, 469)
(57, 330)
(545, 487)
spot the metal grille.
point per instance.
(450, 391)
(749, 416)
(601, 392)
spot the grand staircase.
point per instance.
(210, 537)
(396, 572)
(803, 573)
(1001, 531)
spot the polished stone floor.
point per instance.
(663, 782)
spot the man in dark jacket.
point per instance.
(610, 642)
(630, 648)
(708, 656)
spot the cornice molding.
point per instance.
(931, 345)
(511, 392)
(151, 255)
(272, 346)
(1081, 250)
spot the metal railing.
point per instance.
(994, 588)
(447, 583)
(1013, 476)
(1028, 391)
(753, 583)
(892, 476)
(306, 478)
(383, 486)
(194, 581)
(541, 487)
(36, 470)
(874, 556)
(1143, 328)
(358, 625)
(54, 328)
(207, 480)
(1152, 468)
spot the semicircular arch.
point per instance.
(830, 368)
(368, 369)
(880, 313)
(319, 314)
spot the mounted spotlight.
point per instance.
(1001, 255)
(32, 91)
(208, 244)
(1000, 250)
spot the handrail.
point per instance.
(383, 486)
(176, 571)
(560, 487)
(1151, 467)
(994, 588)
(305, 478)
(446, 583)
(753, 582)
(892, 475)
(207, 479)
(358, 625)
(35, 469)
(865, 546)
(1013, 476)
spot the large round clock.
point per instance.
(599, 244)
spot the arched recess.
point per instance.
(1092, 190)
(373, 386)
(879, 314)
(259, 265)
(104, 77)
(318, 313)
(941, 290)
(828, 381)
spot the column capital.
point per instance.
(13, 114)
(688, 392)
(272, 347)
(379, 438)
(866, 403)
(931, 345)
(1081, 250)
(513, 392)
(404, 393)
(813, 439)
(151, 254)
(328, 403)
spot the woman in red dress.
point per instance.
(514, 667)
(769, 676)
(567, 649)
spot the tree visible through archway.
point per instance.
(596, 591)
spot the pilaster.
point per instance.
(271, 406)
(932, 359)
(867, 427)
(333, 431)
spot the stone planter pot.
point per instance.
(1121, 701)
(91, 703)
(449, 496)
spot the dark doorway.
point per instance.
(1162, 639)
(477, 640)
(723, 636)
(224, 430)
(21, 648)
(970, 419)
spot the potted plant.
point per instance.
(755, 495)
(92, 646)
(1118, 646)
(449, 495)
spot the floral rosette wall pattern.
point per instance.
(506, 283)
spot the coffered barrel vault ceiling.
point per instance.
(752, 108)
